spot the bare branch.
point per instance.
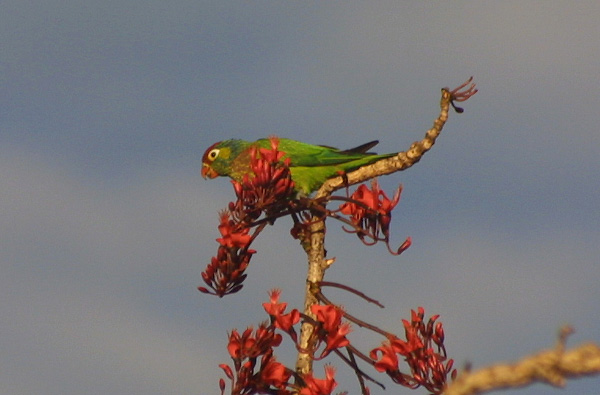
(405, 159)
(552, 367)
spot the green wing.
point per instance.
(312, 165)
(308, 155)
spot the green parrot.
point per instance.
(310, 165)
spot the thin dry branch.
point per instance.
(552, 367)
(404, 159)
(317, 264)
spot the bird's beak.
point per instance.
(207, 171)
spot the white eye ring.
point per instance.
(212, 155)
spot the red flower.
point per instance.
(249, 346)
(389, 359)
(320, 386)
(227, 370)
(428, 368)
(329, 315)
(235, 345)
(373, 203)
(370, 212)
(275, 374)
(232, 237)
(333, 332)
(276, 309)
(337, 339)
(225, 273)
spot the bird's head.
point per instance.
(217, 159)
(211, 159)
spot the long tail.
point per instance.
(362, 149)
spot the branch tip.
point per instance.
(459, 94)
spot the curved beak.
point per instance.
(207, 171)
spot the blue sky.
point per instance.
(105, 111)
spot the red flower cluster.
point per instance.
(225, 273)
(249, 346)
(270, 187)
(268, 191)
(370, 212)
(256, 370)
(429, 368)
(252, 377)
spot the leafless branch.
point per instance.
(552, 367)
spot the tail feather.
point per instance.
(362, 149)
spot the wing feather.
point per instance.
(308, 155)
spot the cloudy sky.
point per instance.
(105, 223)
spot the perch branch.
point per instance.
(404, 159)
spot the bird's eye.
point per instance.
(212, 155)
